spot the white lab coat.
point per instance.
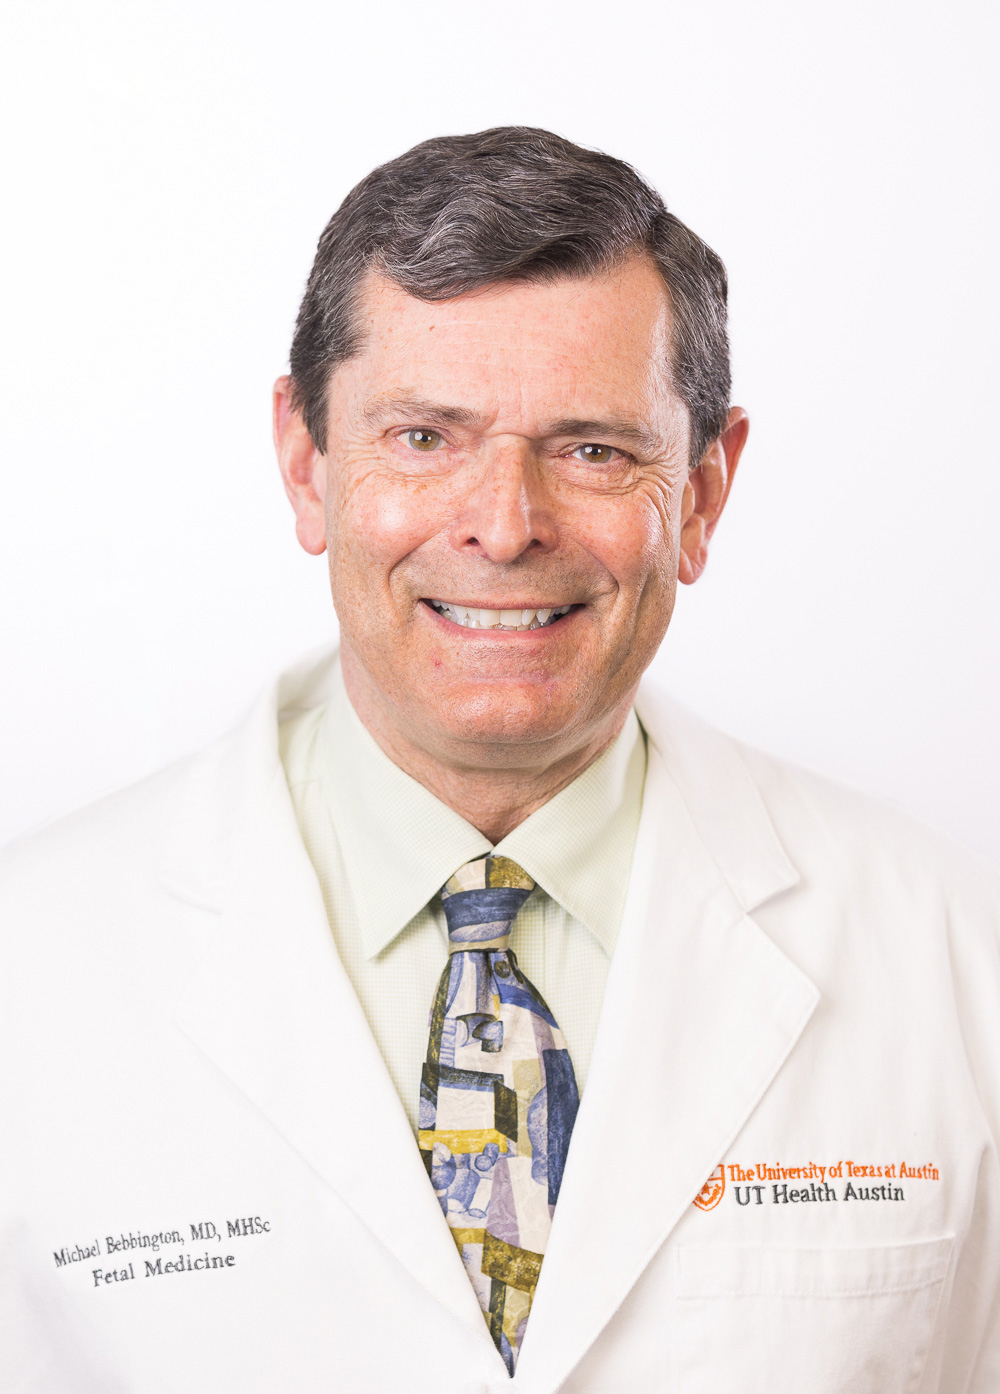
(803, 980)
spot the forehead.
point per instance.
(587, 343)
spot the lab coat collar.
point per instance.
(724, 805)
(700, 1012)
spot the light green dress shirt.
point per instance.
(383, 846)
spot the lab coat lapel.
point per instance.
(701, 1010)
(272, 1007)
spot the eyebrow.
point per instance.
(380, 409)
(612, 428)
(616, 428)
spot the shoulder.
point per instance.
(178, 823)
(837, 838)
(828, 827)
(88, 895)
(166, 841)
(124, 829)
(85, 914)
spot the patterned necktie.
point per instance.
(498, 1099)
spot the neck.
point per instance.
(495, 788)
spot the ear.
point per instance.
(705, 493)
(303, 469)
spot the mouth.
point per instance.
(476, 617)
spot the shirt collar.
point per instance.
(401, 843)
(579, 845)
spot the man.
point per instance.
(472, 1018)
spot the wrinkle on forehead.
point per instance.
(515, 307)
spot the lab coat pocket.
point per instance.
(826, 1321)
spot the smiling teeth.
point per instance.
(470, 618)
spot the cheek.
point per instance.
(632, 538)
(380, 519)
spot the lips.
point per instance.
(482, 617)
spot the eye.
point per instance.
(595, 454)
(422, 439)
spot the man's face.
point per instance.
(502, 498)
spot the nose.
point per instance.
(507, 511)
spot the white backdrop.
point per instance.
(170, 168)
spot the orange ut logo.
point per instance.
(713, 1190)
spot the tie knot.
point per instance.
(481, 902)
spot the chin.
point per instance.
(514, 717)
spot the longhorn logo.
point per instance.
(713, 1190)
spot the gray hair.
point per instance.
(458, 213)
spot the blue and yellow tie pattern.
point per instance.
(498, 1099)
